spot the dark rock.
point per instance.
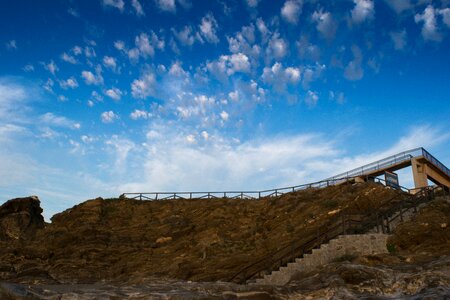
(20, 218)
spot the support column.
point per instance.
(360, 179)
(419, 173)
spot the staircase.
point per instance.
(350, 235)
(358, 244)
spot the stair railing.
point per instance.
(342, 224)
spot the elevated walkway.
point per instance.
(424, 167)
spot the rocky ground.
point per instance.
(180, 249)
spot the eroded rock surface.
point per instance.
(20, 218)
(122, 248)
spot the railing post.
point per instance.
(190, 195)
(242, 195)
(259, 195)
(209, 195)
(140, 196)
(174, 196)
(156, 196)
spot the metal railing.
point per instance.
(243, 194)
(435, 162)
(338, 179)
(381, 219)
(394, 160)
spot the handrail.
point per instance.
(339, 222)
(396, 158)
(243, 194)
(435, 162)
(337, 179)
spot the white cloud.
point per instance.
(311, 98)
(293, 74)
(87, 139)
(143, 44)
(234, 96)
(363, 10)
(262, 28)
(308, 50)
(185, 36)
(73, 12)
(68, 58)
(445, 13)
(176, 69)
(339, 97)
(110, 62)
(114, 93)
(227, 164)
(429, 30)
(62, 98)
(399, 39)
(89, 52)
(278, 76)
(354, 71)
(90, 78)
(139, 114)
(400, 6)
(199, 108)
(277, 48)
(108, 116)
(58, 121)
(119, 4)
(252, 3)
(208, 28)
(51, 67)
(166, 5)
(144, 86)
(244, 42)
(119, 45)
(69, 83)
(48, 85)
(191, 139)
(11, 45)
(13, 98)
(325, 23)
(28, 68)
(291, 10)
(138, 8)
(224, 115)
(121, 148)
(228, 65)
(77, 50)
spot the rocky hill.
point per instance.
(129, 242)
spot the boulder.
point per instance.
(20, 218)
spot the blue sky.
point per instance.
(108, 96)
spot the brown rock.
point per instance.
(20, 218)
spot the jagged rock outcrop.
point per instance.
(20, 218)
